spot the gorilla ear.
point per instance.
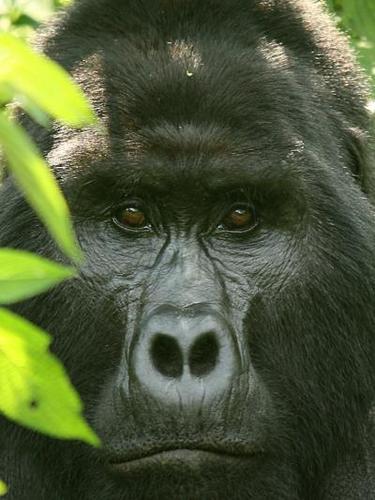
(361, 148)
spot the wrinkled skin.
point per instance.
(223, 345)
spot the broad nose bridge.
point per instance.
(185, 276)
(185, 352)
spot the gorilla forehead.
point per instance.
(174, 119)
(180, 100)
(159, 41)
(232, 89)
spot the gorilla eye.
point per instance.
(132, 218)
(240, 219)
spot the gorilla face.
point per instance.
(220, 331)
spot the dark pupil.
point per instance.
(239, 218)
(133, 217)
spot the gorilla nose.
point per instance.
(184, 356)
(169, 357)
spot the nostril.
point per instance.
(166, 356)
(203, 354)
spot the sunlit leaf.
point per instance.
(3, 488)
(34, 389)
(38, 184)
(24, 274)
(43, 82)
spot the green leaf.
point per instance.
(34, 389)
(38, 184)
(24, 274)
(3, 488)
(42, 81)
(23, 19)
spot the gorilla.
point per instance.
(221, 330)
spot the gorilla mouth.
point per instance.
(180, 457)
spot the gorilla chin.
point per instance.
(221, 330)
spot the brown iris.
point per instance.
(240, 218)
(132, 218)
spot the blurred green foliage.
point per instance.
(357, 17)
(23, 16)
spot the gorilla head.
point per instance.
(221, 330)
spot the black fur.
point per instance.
(206, 103)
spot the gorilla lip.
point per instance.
(179, 456)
